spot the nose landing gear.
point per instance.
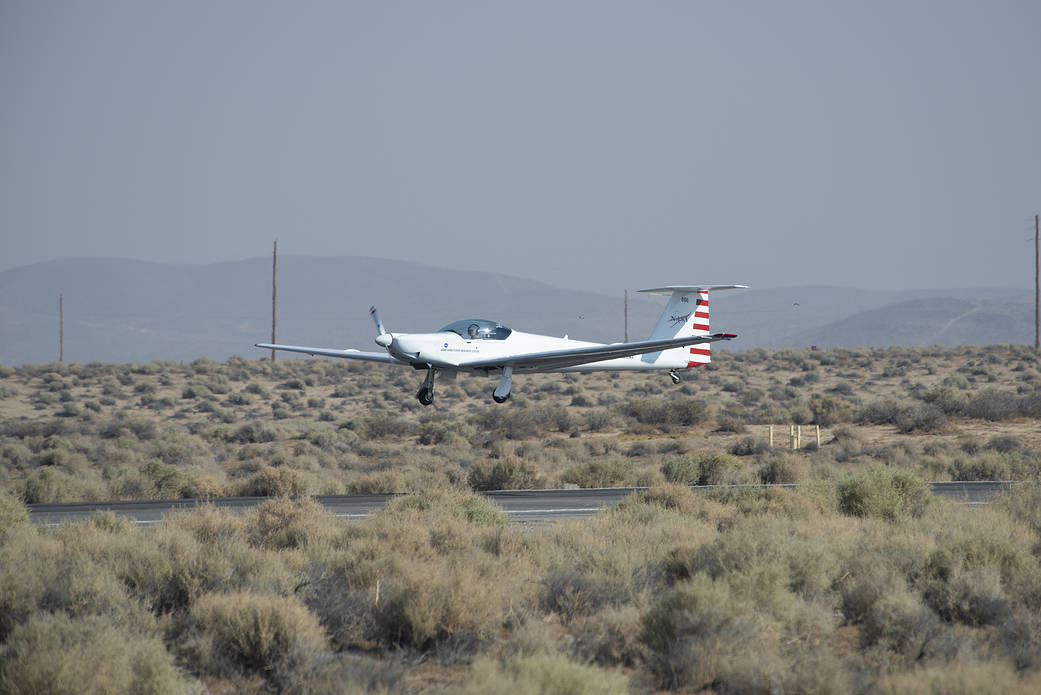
(674, 376)
(425, 395)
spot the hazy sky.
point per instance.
(587, 144)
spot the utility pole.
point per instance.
(1037, 292)
(274, 293)
(61, 327)
(627, 315)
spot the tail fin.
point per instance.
(687, 314)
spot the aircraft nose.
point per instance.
(385, 339)
(406, 347)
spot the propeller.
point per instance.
(383, 339)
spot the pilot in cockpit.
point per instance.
(472, 331)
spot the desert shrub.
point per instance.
(442, 604)
(14, 454)
(879, 413)
(610, 637)
(55, 485)
(257, 389)
(13, 516)
(53, 653)
(827, 410)
(238, 399)
(196, 390)
(169, 482)
(681, 469)
(194, 553)
(525, 423)
(377, 483)
(1020, 639)
(968, 595)
(992, 404)
(874, 594)
(598, 420)
(1023, 505)
(666, 414)
(270, 636)
(543, 674)
(714, 467)
(957, 678)
(762, 564)
(136, 428)
(570, 594)
(283, 523)
(613, 471)
(956, 381)
(351, 674)
(901, 624)
(670, 496)
(274, 482)
(346, 611)
(749, 446)
(702, 469)
(885, 493)
(377, 427)
(920, 418)
(986, 466)
(1006, 444)
(782, 468)
(63, 572)
(251, 433)
(453, 433)
(459, 504)
(727, 422)
(505, 474)
(698, 635)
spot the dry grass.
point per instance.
(852, 583)
(162, 430)
(755, 591)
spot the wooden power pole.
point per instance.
(61, 327)
(274, 293)
(627, 316)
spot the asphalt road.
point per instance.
(520, 505)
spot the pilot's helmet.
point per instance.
(472, 329)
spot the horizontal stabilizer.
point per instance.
(692, 288)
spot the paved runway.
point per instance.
(520, 505)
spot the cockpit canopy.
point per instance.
(478, 329)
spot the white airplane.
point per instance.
(479, 346)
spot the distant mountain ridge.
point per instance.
(119, 310)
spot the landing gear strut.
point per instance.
(674, 376)
(425, 395)
(501, 394)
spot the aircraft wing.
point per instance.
(572, 357)
(330, 352)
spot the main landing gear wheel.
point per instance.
(674, 376)
(501, 394)
(425, 395)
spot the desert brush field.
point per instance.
(857, 580)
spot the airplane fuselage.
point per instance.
(451, 352)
